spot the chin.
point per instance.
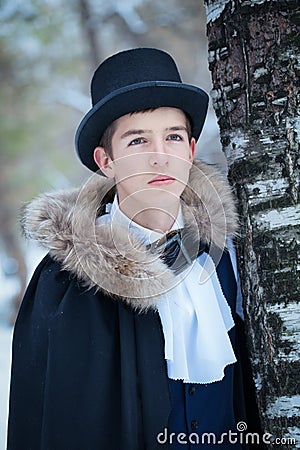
(162, 197)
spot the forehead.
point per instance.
(164, 116)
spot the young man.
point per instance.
(127, 338)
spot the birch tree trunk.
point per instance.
(254, 60)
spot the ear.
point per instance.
(192, 149)
(104, 162)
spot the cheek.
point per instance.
(183, 167)
(130, 166)
(130, 182)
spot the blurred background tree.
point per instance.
(48, 52)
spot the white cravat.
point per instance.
(195, 315)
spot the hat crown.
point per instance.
(136, 80)
(131, 67)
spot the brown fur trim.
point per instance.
(109, 259)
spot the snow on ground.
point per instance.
(5, 360)
(9, 287)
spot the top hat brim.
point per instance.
(140, 96)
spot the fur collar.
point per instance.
(109, 260)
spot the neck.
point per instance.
(154, 218)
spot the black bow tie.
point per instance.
(174, 250)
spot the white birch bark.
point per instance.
(254, 61)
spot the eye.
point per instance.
(174, 137)
(137, 141)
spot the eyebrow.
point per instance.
(132, 132)
(135, 132)
(177, 128)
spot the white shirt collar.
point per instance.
(146, 235)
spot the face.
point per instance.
(152, 157)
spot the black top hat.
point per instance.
(135, 80)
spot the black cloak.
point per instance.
(88, 367)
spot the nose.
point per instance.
(158, 156)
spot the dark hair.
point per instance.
(106, 139)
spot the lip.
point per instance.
(161, 180)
